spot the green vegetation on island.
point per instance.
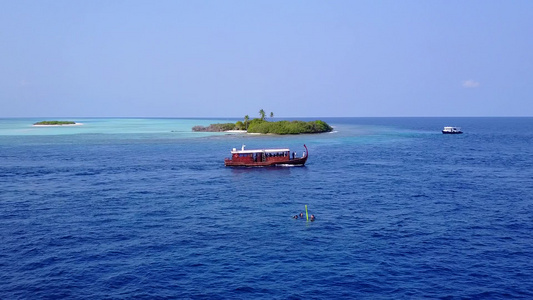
(263, 126)
(216, 127)
(288, 127)
(55, 123)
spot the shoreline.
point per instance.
(236, 131)
(243, 132)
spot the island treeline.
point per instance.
(288, 127)
(55, 123)
(261, 125)
(216, 127)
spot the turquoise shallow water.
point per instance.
(175, 128)
(144, 208)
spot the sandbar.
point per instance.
(64, 125)
(236, 131)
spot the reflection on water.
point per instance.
(277, 170)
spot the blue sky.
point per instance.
(293, 58)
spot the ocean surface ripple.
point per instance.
(403, 212)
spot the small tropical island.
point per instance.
(54, 123)
(261, 125)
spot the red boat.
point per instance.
(264, 158)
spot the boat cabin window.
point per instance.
(277, 154)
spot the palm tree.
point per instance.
(262, 114)
(246, 119)
(271, 115)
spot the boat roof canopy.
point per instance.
(260, 151)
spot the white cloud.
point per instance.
(470, 83)
(23, 83)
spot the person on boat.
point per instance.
(312, 218)
(293, 155)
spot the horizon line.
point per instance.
(266, 118)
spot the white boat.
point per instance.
(452, 130)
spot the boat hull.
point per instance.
(265, 158)
(297, 162)
(450, 132)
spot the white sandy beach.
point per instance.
(236, 131)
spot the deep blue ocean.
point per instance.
(145, 209)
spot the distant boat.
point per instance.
(264, 158)
(452, 130)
